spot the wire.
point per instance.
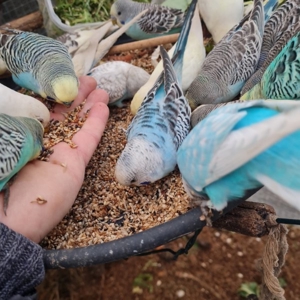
(190, 243)
(288, 221)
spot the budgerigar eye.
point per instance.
(119, 13)
(132, 181)
(50, 98)
(145, 183)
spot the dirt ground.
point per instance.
(214, 269)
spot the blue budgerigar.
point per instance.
(242, 146)
(156, 21)
(161, 123)
(281, 79)
(232, 61)
(40, 64)
(21, 140)
(280, 28)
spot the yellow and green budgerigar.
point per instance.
(40, 64)
(21, 140)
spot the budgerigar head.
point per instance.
(65, 89)
(122, 11)
(139, 164)
(57, 79)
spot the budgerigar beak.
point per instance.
(114, 20)
(67, 104)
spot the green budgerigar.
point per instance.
(21, 140)
(40, 64)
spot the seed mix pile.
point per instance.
(104, 209)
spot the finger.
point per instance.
(86, 85)
(95, 97)
(88, 138)
(89, 135)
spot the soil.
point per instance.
(214, 268)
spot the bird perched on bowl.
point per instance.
(280, 28)
(161, 123)
(40, 64)
(281, 78)
(119, 79)
(157, 21)
(194, 55)
(21, 141)
(242, 146)
(232, 61)
(16, 104)
(220, 16)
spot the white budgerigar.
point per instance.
(82, 45)
(21, 140)
(220, 16)
(120, 80)
(193, 58)
(16, 104)
(157, 21)
(161, 123)
(40, 64)
(243, 146)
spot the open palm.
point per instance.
(51, 181)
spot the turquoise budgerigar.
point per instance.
(40, 64)
(21, 140)
(242, 146)
(156, 21)
(281, 27)
(281, 79)
(161, 123)
(232, 61)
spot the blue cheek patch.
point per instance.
(122, 22)
(145, 183)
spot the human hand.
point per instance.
(49, 180)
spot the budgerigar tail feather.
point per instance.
(182, 41)
(179, 49)
(169, 72)
(269, 8)
(291, 196)
(184, 33)
(257, 15)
